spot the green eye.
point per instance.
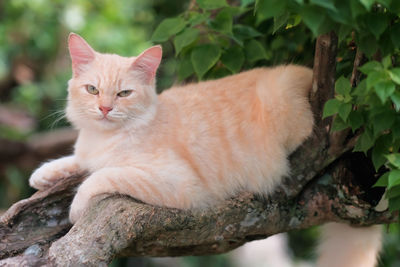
(92, 89)
(124, 93)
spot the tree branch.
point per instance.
(119, 225)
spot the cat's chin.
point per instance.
(106, 124)
(98, 125)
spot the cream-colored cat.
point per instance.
(191, 146)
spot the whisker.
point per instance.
(54, 113)
(56, 121)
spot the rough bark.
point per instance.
(321, 188)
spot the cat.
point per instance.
(189, 147)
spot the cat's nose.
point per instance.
(105, 110)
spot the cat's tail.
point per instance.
(346, 246)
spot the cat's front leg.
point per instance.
(124, 180)
(50, 172)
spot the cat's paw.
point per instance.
(78, 207)
(49, 173)
(95, 186)
(43, 177)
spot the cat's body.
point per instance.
(190, 147)
(204, 142)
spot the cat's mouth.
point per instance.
(104, 118)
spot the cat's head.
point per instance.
(107, 91)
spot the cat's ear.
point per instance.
(147, 63)
(81, 53)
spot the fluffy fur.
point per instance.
(189, 147)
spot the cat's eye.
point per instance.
(124, 93)
(92, 89)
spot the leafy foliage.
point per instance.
(220, 39)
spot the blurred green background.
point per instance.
(35, 68)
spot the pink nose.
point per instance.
(105, 110)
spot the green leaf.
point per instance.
(233, 59)
(325, 4)
(377, 23)
(344, 31)
(211, 4)
(387, 61)
(223, 21)
(375, 78)
(236, 11)
(185, 68)
(396, 129)
(313, 17)
(185, 38)
(279, 21)
(341, 13)
(394, 204)
(394, 159)
(386, 46)
(380, 149)
(246, 2)
(386, 3)
(367, 44)
(218, 72)
(361, 89)
(393, 192)
(338, 125)
(395, 7)
(384, 90)
(382, 181)
(255, 51)
(167, 28)
(395, 144)
(293, 21)
(343, 86)
(395, 75)
(244, 32)
(370, 67)
(367, 3)
(394, 178)
(327, 25)
(396, 100)
(344, 110)
(383, 121)
(331, 107)
(357, 8)
(266, 9)
(364, 142)
(356, 120)
(395, 34)
(196, 18)
(204, 57)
